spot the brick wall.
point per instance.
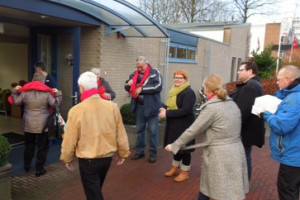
(116, 56)
(272, 36)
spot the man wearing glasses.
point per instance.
(253, 130)
(144, 86)
(285, 132)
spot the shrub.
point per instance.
(128, 117)
(5, 150)
(265, 62)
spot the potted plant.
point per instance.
(5, 169)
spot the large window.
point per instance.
(182, 53)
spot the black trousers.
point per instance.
(31, 139)
(93, 173)
(288, 182)
(184, 157)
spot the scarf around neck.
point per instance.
(33, 85)
(102, 90)
(172, 96)
(87, 93)
(36, 85)
(134, 85)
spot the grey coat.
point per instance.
(36, 109)
(224, 168)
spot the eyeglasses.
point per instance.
(280, 78)
(240, 70)
(176, 77)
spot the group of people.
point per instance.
(225, 126)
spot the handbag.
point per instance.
(55, 129)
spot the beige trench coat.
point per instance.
(36, 109)
(224, 169)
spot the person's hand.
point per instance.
(120, 160)
(168, 148)
(130, 82)
(162, 112)
(138, 91)
(61, 120)
(54, 90)
(69, 166)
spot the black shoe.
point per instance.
(40, 172)
(137, 156)
(152, 159)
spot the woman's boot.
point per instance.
(172, 171)
(182, 176)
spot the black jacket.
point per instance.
(253, 130)
(179, 120)
(108, 89)
(151, 93)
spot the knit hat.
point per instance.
(183, 73)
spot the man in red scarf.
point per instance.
(94, 133)
(144, 86)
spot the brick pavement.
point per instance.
(140, 180)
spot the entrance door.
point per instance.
(59, 50)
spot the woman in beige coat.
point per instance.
(224, 169)
(36, 98)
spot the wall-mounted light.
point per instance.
(69, 59)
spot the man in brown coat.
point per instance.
(94, 132)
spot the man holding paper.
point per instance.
(285, 132)
(253, 131)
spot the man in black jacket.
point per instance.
(49, 79)
(144, 86)
(253, 130)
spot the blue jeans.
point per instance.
(142, 123)
(248, 149)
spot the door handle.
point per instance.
(75, 97)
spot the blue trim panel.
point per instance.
(177, 60)
(181, 38)
(44, 7)
(76, 64)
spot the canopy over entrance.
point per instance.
(120, 16)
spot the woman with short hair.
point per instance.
(37, 98)
(179, 116)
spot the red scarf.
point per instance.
(34, 85)
(211, 96)
(102, 91)
(88, 93)
(134, 80)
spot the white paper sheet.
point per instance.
(265, 103)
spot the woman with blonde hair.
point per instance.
(224, 168)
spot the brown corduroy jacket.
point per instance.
(94, 129)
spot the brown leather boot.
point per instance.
(182, 176)
(172, 171)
